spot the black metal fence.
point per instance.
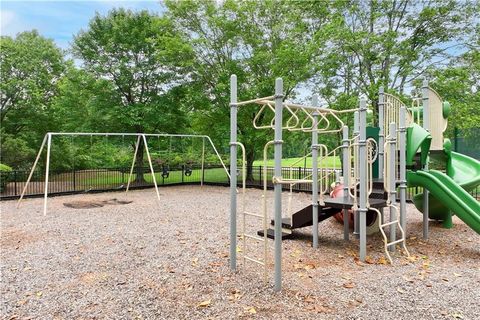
(111, 179)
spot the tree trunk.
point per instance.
(250, 159)
(139, 178)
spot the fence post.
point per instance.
(74, 180)
(15, 180)
(183, 171)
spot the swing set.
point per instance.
(141, 137)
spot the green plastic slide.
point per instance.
(450, 194)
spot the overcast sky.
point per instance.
(59, 20)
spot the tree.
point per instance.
(31, 67)
(258, 41)
(390, 44)
(143, 58)
(458, 83)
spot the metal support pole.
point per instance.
(315, 174)
(363, 178)
(47, 170)
(391, 182)
(381, 134)
(233, 172)
(133, 164)
(151, 167)
(426, 126)
(203, 162)
(278, 186)
(356, 131)
(33, 169)
(346, 182)
(403, 175)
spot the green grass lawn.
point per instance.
(97, 179)
(328, 162)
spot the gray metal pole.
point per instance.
(392, 179)
(356, 131)
(315, 174)
(403, 175)
(47, 170)
(233, 172)
(278, 186)
(362, 210)
(426, 126)
(381, 134)
(346, 182)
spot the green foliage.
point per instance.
(16, 152)
(5, 168)
(258, 41)
(31, 66)
(458, 83)
(142, 57)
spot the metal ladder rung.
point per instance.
(253, 214)
(254, 260)
(389, 223)
(253, 237)
(395, 242)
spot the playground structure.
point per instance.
(141, 137)
(405, 141)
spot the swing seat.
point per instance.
(165, 172)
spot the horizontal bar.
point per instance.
(395, 242)
(254, 260)
(241, 103)
(253, 214)
(389, 223)
(250, 236)
(292, 181)
(299, 106)
(126, 134)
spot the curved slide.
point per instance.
(450, 194)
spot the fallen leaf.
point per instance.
(358, 262)
(401, 290)
(251, 310)
(382, 260)
(408, 279)
(457, 274)
(204, 304)
(239, 249)
(445, 279)
(309, 266)
(349, 285)
(195, 262)
(369, 260)
(39, 294)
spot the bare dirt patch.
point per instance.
(90, 204)
(16, 238)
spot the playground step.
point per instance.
(342, 203)
(300, 219)
(271, 234)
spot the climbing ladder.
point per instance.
(262, 216)
(390, 176)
